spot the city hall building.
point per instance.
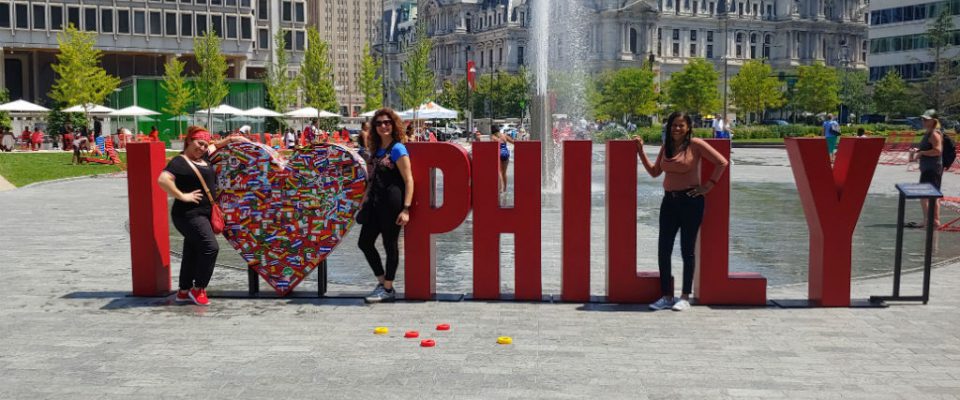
(611, 34)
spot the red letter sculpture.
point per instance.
(624, 284)
(419, 266)
(575, 272)
(149, 224)
(490, 220)
(715, 285)
(832, 200)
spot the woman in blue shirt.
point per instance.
(389, 196)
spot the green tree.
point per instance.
(316, 80)
(854, 92)
(817, 89)
(452, 95)
(939, 37)
(371, 83)
(694, 89)
(754, 89)
(418, 84)
(179, 93)
(4, 116)
(626, 93)
(80, 79)
(891, 95)
(281, 88)
(211, 85)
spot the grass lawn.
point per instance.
(26, 168)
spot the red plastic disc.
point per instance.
(428, 343)
(443, 327)
(411, 334)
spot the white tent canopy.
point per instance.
(429, 110)
(133, 111)
(368, 114)
(260, 112)
(23, 107)
(310, 112)
(222, 109)
(89, 109)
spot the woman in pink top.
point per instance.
(683, 202)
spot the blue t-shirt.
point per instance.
(828, 128)
(399, 151)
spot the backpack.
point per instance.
(949, 151)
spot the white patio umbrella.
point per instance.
(23, 107)
(136, 112)
(222, 109)
(368, 114)
(429, 110)
(260, 112)
(310, 112)
(133, 111)
(90, 109)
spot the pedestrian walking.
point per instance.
(719, 128)
(683, 201)
(192, 208)
(386, 208)
(930, 156)
(831, 130)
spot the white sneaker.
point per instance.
(662, 304)
(681, 305)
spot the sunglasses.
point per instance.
(383, 122)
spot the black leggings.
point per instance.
(684, 213)
(200, 250)
(381, 223)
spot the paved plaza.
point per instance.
(68, 330)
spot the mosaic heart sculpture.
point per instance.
(286, 214)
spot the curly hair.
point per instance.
(668, 138)
(374, 139)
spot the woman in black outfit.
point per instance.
(930, 155)
(389, 195)
(191, 211)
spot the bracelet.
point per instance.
(406, 208)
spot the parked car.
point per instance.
(872, 119)
(776, 122)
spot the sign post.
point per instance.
(923, 192)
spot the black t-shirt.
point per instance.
(187, 182)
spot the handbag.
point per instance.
(216, 215)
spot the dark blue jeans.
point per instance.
(679, 212)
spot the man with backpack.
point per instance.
(936, 153)
(831, 129)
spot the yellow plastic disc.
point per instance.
(381, 330)
(504, 340)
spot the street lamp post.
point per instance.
(468, 110)
(724, 16)
(844, 58)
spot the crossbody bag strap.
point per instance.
(199, 176)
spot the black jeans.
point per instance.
(381, 222)
(200, 250)
(684, 213)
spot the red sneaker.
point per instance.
(182, 296)
(199, 297)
